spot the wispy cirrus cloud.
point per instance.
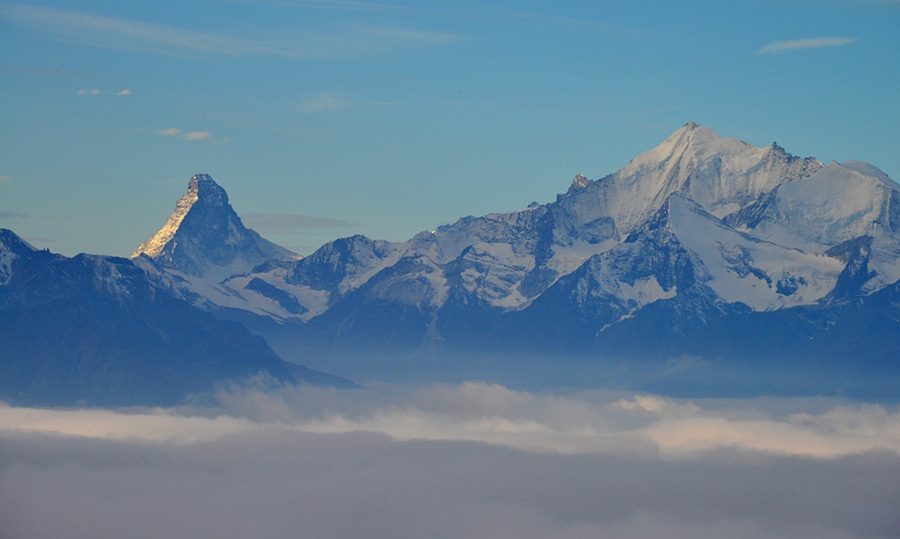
(190, 135)
(338, 5)
(116, 33)
(331, 101)
(126, 34)
(812, 43)
(43, 72)
(98, 91)
(324, 102)
(547, 18)
(198, 135)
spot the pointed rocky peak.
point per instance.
(335, 261)
(694, 161)
(205, 237)
(579, 182)
(154, 245)
(722, 175)
(776, 152)
(11, 248)
(668, 165)
(694, 141)
(11, 243)
(204, 189)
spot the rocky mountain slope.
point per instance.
(97, 330)
(703, 252)
(704, 261)
(697, 239)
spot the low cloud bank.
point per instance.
(473, 460)
(578, 424)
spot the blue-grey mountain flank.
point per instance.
(704, 262)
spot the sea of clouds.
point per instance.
(469, 460)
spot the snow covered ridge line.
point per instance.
(699, 216)
(724, 178)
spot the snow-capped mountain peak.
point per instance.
(204, 237)
(699, 228)
(10, 242)
(579, 182)
(722, 175)
(11, 248)
(204, 186)
(154, 245)
(868, 170)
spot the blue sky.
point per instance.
(328, 118)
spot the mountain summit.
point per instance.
(721, 174)
(204, 237)
(704, 246)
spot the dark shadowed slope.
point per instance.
(96, 330)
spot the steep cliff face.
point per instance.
(204, 237)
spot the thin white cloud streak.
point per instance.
(547, 19)
(124, 34)
(814, 43)
(324, 102)
(339, 5)
(467, 9)
(153, 425)
(198, 135)
(98, 91)
(111, 32)
(190, 135)
(477, 412)
(44, 72)
(284, 223)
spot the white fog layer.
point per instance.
(473, 460)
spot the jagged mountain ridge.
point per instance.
(702, 228)
(98, 330)
(204, 237)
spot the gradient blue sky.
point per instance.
(328, 118)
